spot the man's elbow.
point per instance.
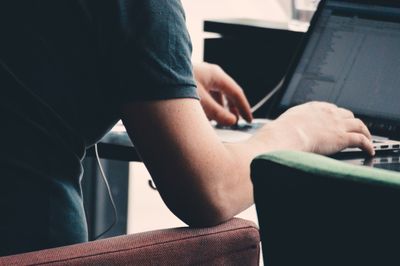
(203, 213)
(204, 220)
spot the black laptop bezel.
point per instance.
(385, 127)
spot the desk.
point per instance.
(116, 145)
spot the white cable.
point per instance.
(268, 96)
(109, 193)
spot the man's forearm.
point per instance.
(238, 188)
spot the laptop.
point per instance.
(350, 56)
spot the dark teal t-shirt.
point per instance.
(66, 68)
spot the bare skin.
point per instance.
(213, 84)
(206, 182)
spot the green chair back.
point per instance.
(313, 210)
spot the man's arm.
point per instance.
(205, 182)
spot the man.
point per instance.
(71, 68)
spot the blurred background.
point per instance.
(198, 11)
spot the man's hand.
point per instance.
(213, 85)
(318, 127)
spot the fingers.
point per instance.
(358, 133)
(359, 136)
(351, 123)
(217, 112)
(356, 140)
(347, 131)
(218, 97)
(234, 110)
(357, 126)
(234, 93)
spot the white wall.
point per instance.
(199, 10)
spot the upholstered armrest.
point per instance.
(314, 210)
(233, 243)
(326, 167)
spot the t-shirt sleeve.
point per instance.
(152, 59)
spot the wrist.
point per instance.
(277, 136)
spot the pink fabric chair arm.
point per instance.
(233, 243)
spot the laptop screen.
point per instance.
(352, 59)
